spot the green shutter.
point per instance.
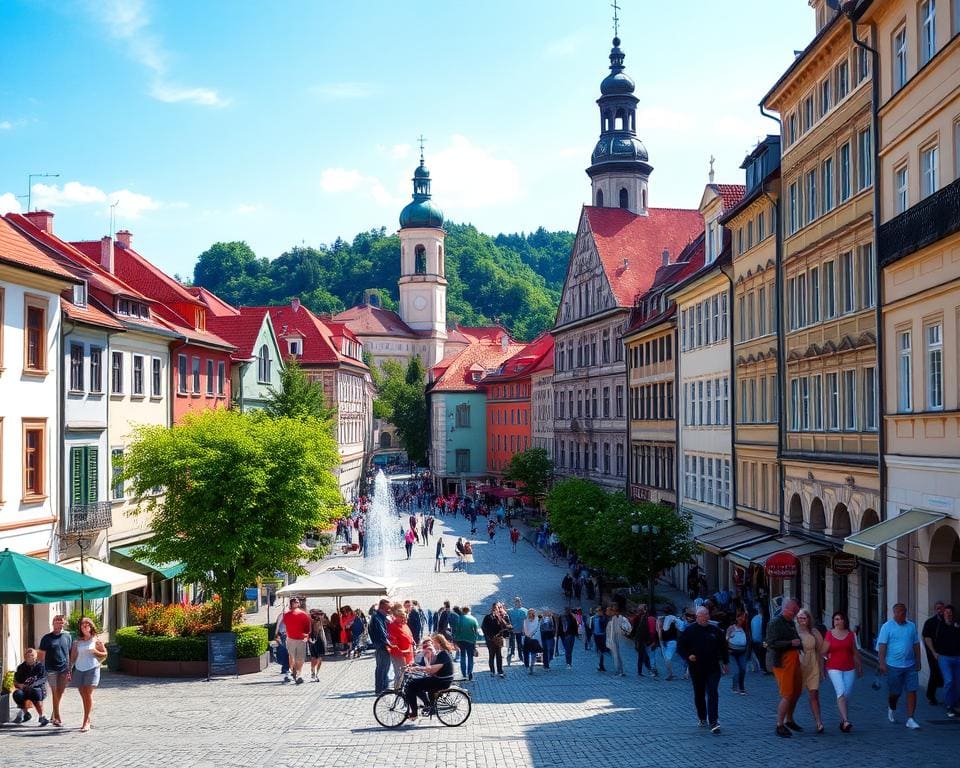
(76, 477)
(92, 475)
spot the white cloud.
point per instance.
(468, 176)
(172, 94)
(246, 209)
(5, 125)
(340, 180)
(345, 90)
(51, 196)
(131, 205)
(400, 151)
(9, 203)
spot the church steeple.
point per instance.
(619, 170)
(421, 212)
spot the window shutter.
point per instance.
(76, 476)
(92, 475)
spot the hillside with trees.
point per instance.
(514, 280)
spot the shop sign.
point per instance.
(782, 565)
(844, 564)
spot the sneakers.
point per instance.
(502, 674)
(299, 681)
(701, 723)
(42, 721)
(912, 724)
(26, 716)
(715, 728)
(286, 679)
(891, 715)
(951, 713)
(793, 726)
(19, 717)
(783, 732)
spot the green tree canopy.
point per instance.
(401, 400)
(298, 397)
(241, 491)
(533, 468)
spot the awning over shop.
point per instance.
(867, 543)
(759, 552)
(724, 538)
(144, 565)
(119, 579)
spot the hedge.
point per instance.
(251, 643)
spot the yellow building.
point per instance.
(919, 253)
(831, 483)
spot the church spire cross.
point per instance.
(712, 161)
(616, 18)
(421, 139)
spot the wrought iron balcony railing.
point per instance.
(932, 219)
(89, 517)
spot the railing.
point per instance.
(932, 219)
(89, 517)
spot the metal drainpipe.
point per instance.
(881, 432)
(778, 319)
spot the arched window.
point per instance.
(624, 198)
(263, 365)
(606, 121)
(440, 260)
(599, 198)
(643, 200)
(420, 260)
(619, 122)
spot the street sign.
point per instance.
(844, 564)
(782, 565)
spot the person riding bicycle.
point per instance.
(437, 675)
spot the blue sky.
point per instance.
(217, 120)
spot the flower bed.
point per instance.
(171, 656)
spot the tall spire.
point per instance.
(421, 212)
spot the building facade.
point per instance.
(543, 402)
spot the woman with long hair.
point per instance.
(811, 662)
(86, 655)
(437, 671)
(401, 641)
(316, 644)
(843, 664)
(738, 641)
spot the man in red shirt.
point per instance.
(514, 537)
(297, 623)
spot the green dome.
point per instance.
(421, 213)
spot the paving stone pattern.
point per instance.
(561, 717)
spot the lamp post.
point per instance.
(650, 531)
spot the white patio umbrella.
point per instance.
(338, 581)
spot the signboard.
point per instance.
(782, 565)
(843, 564)
(222, 654)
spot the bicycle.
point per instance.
(451, 706)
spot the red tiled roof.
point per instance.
(730, 194)
(174, 322)
(689, 261)
(242, 329)
(481, 356)
(20, 251)
(320, 345)
(482, 332)
(216, 307)
(621, 236)
(368, 320)
(522, 364)
(90, 315)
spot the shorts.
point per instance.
(86, 678)
(57, 680)
(317, 649)
(788, 676)
(297, 650)
(902, 678)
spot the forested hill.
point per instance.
(514, 280)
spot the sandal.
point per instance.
(819, 728)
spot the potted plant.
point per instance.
(6, 688)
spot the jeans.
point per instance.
(422, 688)
(568, 642)
(466, 658)
(529, 656)
(706, 694)
(516, 645)
(549, 644)
(600, 641)
(950, 666)
(643, 659)
(381, 676)
(740, 659)
(761, 653)
(495, 652)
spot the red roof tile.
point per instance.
(21, 251)
(731, 194)
(639, 241)
(688, 263)
(90, 315)
(528, 359)
(320, 338)
(216, 307)
(368, 320)
(479, 357)
(242, 329)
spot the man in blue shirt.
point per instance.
(54, 653)
(517, 615)
(377, 631)
(898, 646)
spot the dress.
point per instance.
(810, 662)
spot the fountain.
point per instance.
(382, 540)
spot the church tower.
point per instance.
(619, 172)
(423, 287)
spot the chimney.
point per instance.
(295, 304)
(124, 236)
(106, 253)
(504, 342)
(41, 220)
(666, 256)
(626, 263)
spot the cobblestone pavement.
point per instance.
(557, 718)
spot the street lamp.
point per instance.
(650, 531)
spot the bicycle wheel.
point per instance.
(453, 707)
(390, 709)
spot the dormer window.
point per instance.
(80, 295)
(123, 306)
(475, 376)
(296, 347)
(201, 319)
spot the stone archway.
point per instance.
(869, 518)
(818, 520)
(386, 440)
(840, 525)
(943, 576)
(795, 515)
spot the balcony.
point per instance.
(85, 518)
(932, 219)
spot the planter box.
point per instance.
(140, 668)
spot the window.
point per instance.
(34, 459)
(195, 372)
(899, 58)
(934, 355)
(794, 214)
(116, 373)
(904, 372)
(844, 172)
(138, 383)
(868, 276)
(843, 80)
(96, 369)
(182, 374)
(870, 416)
(35, 336)
(928, 171)
(296, 347)
(760, 230)
(116, 473)
(805, 403)
(902, 195)
(863, 65)
(847, 287)
(606, 402)
(156, 377)
(850, 400)
(751, 318)
(815, 295)
(826, 184)
(825, 96)
(928, 30)
(864, 159)
(463, 415)
(209, 377)
(83, 476)
(76, 367)
(606, 458)
(791, 129)
(816, 403)
(811, 195)
(833, 401)
(420, 260)
(808, 114)
(750, 234)
(762, 310)
(829, 290)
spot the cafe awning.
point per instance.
(144, 565)
(867, 543)
(724, 538)
(759, 552)
(119, 579)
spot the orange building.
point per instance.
(508, 404)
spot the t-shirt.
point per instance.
(56, 649)
(298, 625)
(899, 639)
(517, 617)
(756, 628)
(445, 673)
(841, 652)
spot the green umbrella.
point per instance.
(26, 580)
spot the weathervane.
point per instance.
(616, 18)
(422, 140)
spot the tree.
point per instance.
(401, 400)
(572, 505)
(298, 397)
(533, 468)
(241, 490)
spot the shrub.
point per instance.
(157, 620)
(7, 685)
(251, 642)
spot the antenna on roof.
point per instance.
(31, 177)
(113, 213)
